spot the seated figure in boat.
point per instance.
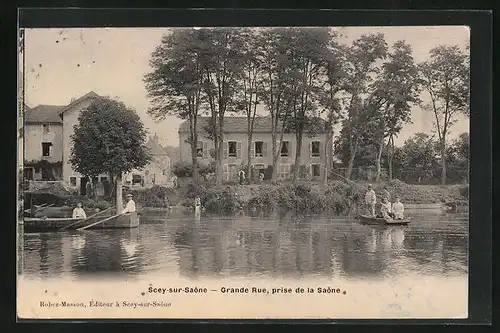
(386, 209)
(78, 212)
(398, 209)
(130, 206)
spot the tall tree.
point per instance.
(273, 86)
(247, 96)
(445, 78)
(334, 83)
(308, 49)
(395, 90)
(174, 86)
(109, 138)
(362, 59)
(222, 52)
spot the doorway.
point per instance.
(83, 185)
(28, 173)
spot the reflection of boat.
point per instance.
(380, 220)
(35, 224)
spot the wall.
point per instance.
(70, 118)
(306, 158)
(159, 170)
(33, 138)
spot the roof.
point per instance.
(155, 148)
(43, 114)
(233, 124)
(90, 94)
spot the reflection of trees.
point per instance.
(439, 247)
(108, 252)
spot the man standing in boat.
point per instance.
(78, 212)
(130, 206)
(370, 200)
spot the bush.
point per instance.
(157, 196)
(182, 169)
(223, 200)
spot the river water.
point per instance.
(433, 249)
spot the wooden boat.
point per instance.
(383, 221)
(56, 223)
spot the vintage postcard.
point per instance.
(243, 173)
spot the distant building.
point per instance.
(235, 150)
(157, 172)
(47, 135)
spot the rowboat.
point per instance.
(383, 221)
(35, 224)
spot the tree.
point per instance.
(362, 58)
(222, 51)
(334, 74)
(394, 91)
(419, 156)
(273, 85)
(247, 96)
(175, 84)
(445, 77)
(109, 138)
(308, 49)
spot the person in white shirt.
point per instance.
(398, 209)
(370, 200)
(386, 209)
(78, 212)
(130, 206)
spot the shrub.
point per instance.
(182, 169)
(157, 196)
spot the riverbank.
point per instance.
(338, 197)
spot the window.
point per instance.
(103, 179)
(315, 149)
(95, 180)
(199, 149)
(46, 148)
(285, 149)
(232, 149)
(259, 148)
(284, 171)
(315, 170)
(46, 128)
(72, 181)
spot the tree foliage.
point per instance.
(108, 138)
(445, 78)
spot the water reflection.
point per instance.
(263, 245)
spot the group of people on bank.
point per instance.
(387, 210)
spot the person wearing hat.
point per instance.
(370, 200)
(130, 206)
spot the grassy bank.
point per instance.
(338, 198)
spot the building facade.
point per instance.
(47, 143)
(235, 148)
(157, 172)
(43, 143)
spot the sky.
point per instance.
(62, 64)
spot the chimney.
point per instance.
(72, 99)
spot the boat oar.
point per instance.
(86, 219)
(98, 222)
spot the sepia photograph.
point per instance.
(243, 172)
